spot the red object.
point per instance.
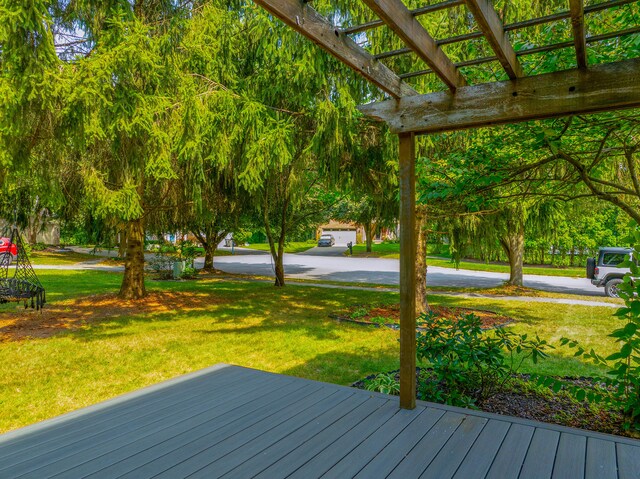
(7, 245)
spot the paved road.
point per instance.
(385, 271)
(330, 264)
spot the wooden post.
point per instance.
(407, 271)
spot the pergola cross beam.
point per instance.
(304, 19)
(579, 38)
(605, 87)
(493, 29)
(400, 19)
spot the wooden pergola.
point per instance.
(583, 89)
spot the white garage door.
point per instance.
(342, 237)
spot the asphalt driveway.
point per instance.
(330, 264)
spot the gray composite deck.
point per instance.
(232, 422)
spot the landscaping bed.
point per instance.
(20, 324)
(523, 398)
(389, 315)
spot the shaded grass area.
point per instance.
(251, 324)
(392, 251)
(51, 257)
(508, 290)
(567, 272)
(378, 250)
(291, 247)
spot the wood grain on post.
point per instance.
(407, 271)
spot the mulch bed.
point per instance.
(389, 315)
(20, 324)
(525, 400)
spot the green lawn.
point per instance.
(378, 250)
(251, 324)
(291, 247)
(392, 250)
(49, 257)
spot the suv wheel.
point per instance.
(611, 288)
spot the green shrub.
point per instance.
(468, 364)
(189, 273)
(385, 383)
(38, 247)
(162, 265)
(622, 391)
(359, 312)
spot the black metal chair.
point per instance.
(24, 285)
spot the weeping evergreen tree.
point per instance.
(119, 113)
(28, 109)
(265, 116)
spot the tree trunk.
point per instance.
(209, 244)
(279, 259)
(368, 231)
(276, 254)
(513, 245)
(133, 279)
(279, 272)
(422, 305)
(33, 235)
(122, 243)
(209, 252)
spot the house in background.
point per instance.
(343, 233)
(47, 231)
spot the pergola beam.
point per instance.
(605, 87)
(577, 24)
(398, 17)
(491, 25)
(417, 12)
(305, 20)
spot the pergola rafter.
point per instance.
(304, 19)
(532, 51)
(416, 13)
(510, 27)
(398, 17)
(491, 26)
(579, 39)
(585, 89)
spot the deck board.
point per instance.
(125, 428)
(601, 460)
(570, 458)
(540, 458)
(480, 456)
(233, 422)
(315, 444)
(510, 457)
